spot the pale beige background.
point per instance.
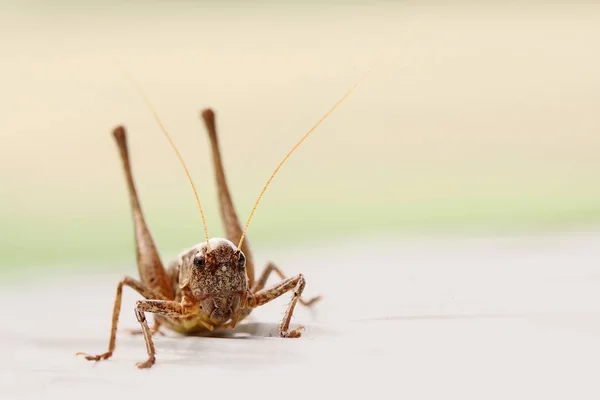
(477, 116)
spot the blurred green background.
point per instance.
(479, 117)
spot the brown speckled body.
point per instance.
(221, 275)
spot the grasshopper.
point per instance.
(212, 284)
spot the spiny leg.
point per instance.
(162, 307)
(264, 277)
(232, 225)
(264, 296)
(150, 267)
(138, 287)
(173, 273)
(154, 330)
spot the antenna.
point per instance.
(164, 131)
(287, 156)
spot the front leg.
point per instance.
(264, 296)
(154, 330)
(161, 307)
(264, 277)
(138, 287)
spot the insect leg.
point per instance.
(173, 273)
(153, 331)
(161, 307)
(150, 268)
(231, 222)
(261, 297)
(262, 281)
(138, 287)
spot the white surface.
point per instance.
(438, 318)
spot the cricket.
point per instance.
(212, 285)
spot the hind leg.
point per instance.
(155, 283)
(231, 222)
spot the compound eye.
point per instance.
(241, 262)
(199, 262)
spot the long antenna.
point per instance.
(164, 131)
(287, 156)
